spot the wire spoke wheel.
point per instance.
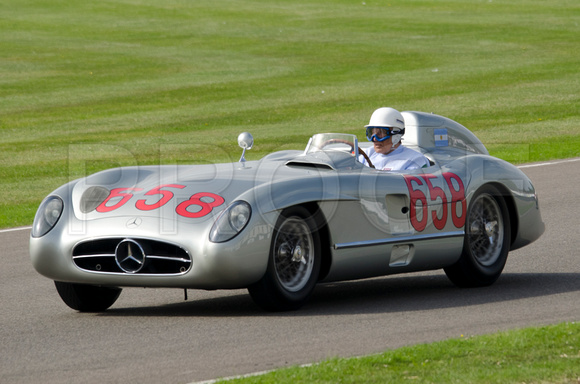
(487, 240)
(293, 254)
(293, 264)
(485, 231)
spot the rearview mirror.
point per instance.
(245, 141)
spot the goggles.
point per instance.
(382, 133)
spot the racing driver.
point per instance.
(385, 130)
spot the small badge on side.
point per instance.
(441, 138)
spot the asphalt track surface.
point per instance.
(154, 336)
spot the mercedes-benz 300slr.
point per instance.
(280, 225)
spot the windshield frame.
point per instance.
(327, 142)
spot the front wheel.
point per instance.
(293, 263)
(87, 298)
(486, 243)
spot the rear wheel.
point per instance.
(487, 241)
(87, 298)
(293, 263)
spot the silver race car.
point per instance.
(280, 225)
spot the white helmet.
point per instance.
(390, 119)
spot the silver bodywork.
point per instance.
(375, 222)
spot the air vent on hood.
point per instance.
(308, 164)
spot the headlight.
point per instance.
(230, 222)
(47, 216)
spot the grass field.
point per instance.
(535, 355)
(91, 85)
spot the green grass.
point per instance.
(548, 354)
(149, 81)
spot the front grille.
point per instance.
(161, 258)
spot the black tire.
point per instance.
(293, 264)
(486, 243)
(87, 298)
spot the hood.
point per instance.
(191, 192)
(183, 192)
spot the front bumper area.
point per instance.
(184, 258)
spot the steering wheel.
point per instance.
(363, 153)
(351, 145)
